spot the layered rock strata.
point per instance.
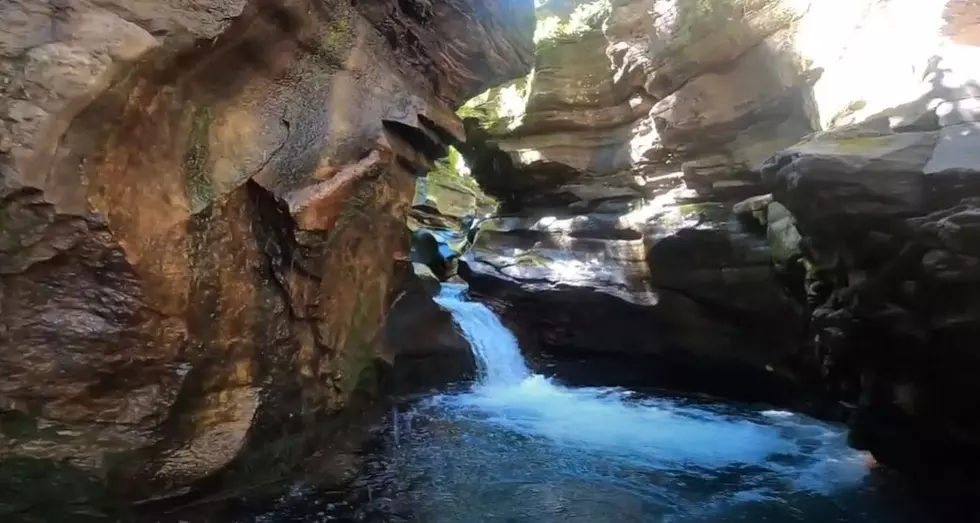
(639, 128)
(623, 184)
(201, 209)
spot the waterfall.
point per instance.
(650, 433)
(522, 447)
(498, 355)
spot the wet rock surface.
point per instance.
(674, 284)
(423, 343)
(201, 210)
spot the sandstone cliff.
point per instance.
(624, 158)
(202, 205)
(619, 160)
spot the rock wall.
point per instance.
(704, 89)
(624, 185)
(644, 89)
(202, 206)
(640, 128)
(885, 212)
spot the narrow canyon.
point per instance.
(473, 261)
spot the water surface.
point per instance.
(520, 448)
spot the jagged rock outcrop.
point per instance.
(885, 213)
(201, 208)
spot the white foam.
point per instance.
(656, 434)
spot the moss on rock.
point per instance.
(197, 160)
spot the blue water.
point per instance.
(499, 360)
(520, 448)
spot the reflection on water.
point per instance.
(520, 448)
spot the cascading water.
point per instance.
(756, 457)
(498, 356)
(520, 448)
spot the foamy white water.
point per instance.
(649, 433)
(498, 356)
(520, 448)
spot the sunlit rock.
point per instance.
(860, 118)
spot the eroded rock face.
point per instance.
(201, 207)
(640, 127)
(646, 88)
(709, 89)
(682, 289)
(885, 214)
(868, 224)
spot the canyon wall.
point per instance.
(617, 164)
(635, 165)
(883, 218)
(202, 215)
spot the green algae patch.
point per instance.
(358, 357)
(197, 160)
(337, 39)
(534, 261)
(862, 143)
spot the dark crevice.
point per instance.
(415, 10)
(417, 139)
(411, 167)
(440, 131)
(614, 234)
(277, 235)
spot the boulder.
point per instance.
(840, 177)
(705, 252)
(429, 281)
(753, 208)
(420, 340)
